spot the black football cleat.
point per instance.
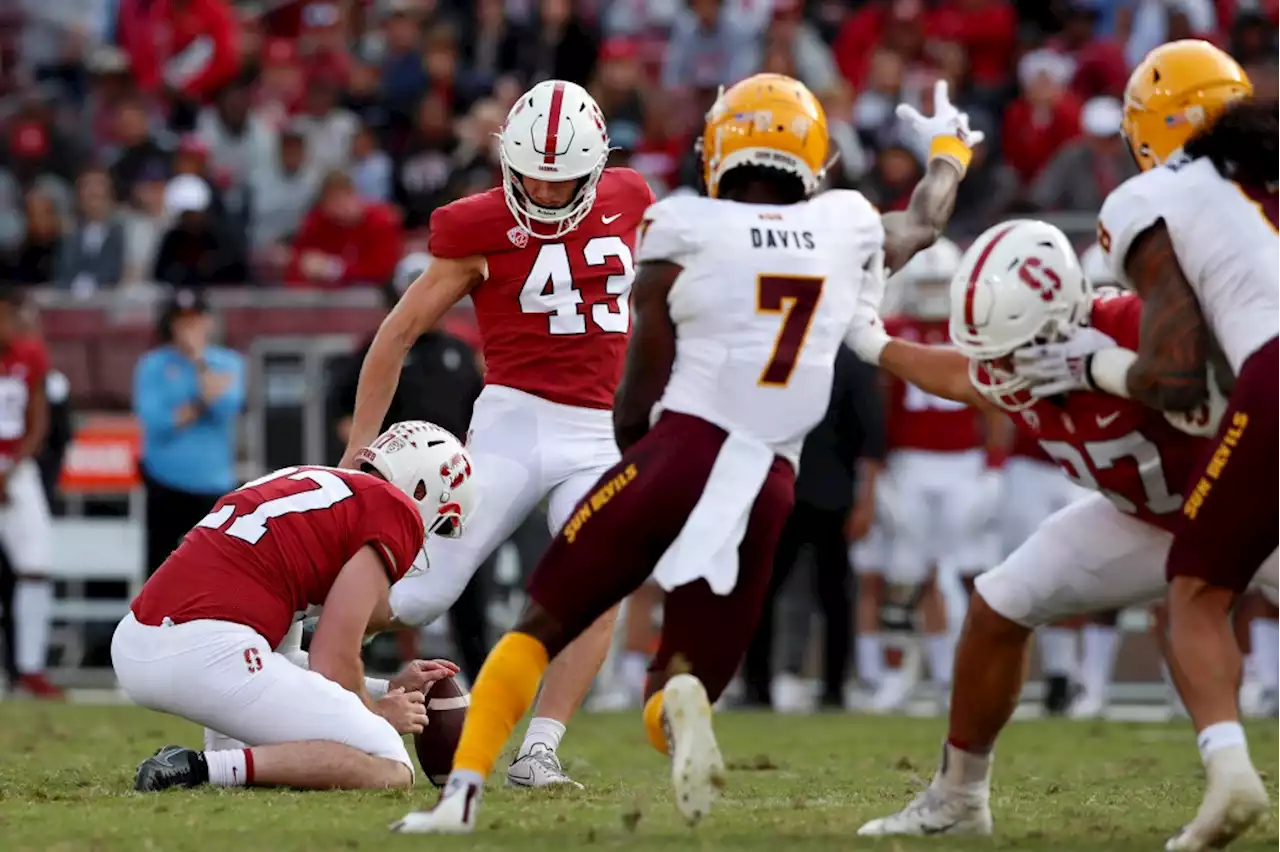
(171, 766)
(1058, 695)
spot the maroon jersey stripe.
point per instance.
(971, 288)
(553, 124)
(1264, 197)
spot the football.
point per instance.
(447, 705)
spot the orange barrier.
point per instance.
(103, 457)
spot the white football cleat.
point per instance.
(697, 768)
(895, 688)
(1234, 800)
(1088, 705)
(455, 813)
(538, 767)
(936, 811)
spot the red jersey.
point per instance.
(274, 547)
(1025, 445)
(1120, 447)
(553, 315)
(23, 368)
(921, 421)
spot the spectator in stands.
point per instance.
(438, 383)
(426, 165)
(32, 262)
(370, 167)
(281, 85)
(617, 83)
(327, 127)
(854, 159)
(345, 241)
(987, 30)
(91, 254)
(1083, 172)
(196, 251)
(283, 191)
(559, 45)
(145, 223)
(364, 100)
(1253, 39)
(187, 395)
(1044, 117)
(402, 73)
(476, 158)
(708, 48)
(835, 505)
(1151, 22)
(135, 148)
(1099, 61)
(809, 55)
(489, 43)
(896, 173)
(238, 142)
(892, 26)
(110, 83)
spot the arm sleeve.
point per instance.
(665, 234)
(1128, 211)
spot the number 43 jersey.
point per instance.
(1121, 448)
(763, 302)
(275, 546)
(553, 314)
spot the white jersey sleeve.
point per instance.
(667, 231)
(1129, 210)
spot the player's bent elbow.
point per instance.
(1181, 397)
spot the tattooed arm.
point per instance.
(920, 225)
(1173, 350)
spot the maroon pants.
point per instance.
(1228, 522)
(616, 535)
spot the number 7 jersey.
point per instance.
(762, 305)
(553, 314)
(275, 546)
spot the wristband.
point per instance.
(869, 343)
(952, 148)
(1108, 370)
(376, 687)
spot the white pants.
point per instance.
(1088, 557)
(942, 515)
(226, 677)
(525, 449)
(26, 527)
(1033, 490)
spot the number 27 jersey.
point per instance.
(275, 547)
(762, 305)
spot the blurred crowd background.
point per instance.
(275, 162)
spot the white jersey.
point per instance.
(762, 305)
(1225, 241)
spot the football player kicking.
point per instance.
(206, 637)
(547, 260)
(1020, 284)
(1209, 285)
(742, 302)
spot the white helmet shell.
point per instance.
(1019, 283)
(1095, 266)
(926, 280)
(554, 132)
(429, 464)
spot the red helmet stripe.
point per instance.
(553, 124)
(972, 287)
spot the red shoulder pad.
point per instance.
(477, 224)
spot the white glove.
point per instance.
(1058, 368)
(947, 129)
(867, 338)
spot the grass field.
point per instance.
(795, 784)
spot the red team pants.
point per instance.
(616, 535)
(1228, 522)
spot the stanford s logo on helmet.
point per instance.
(429, 464)
(554, 132)
(1020, 283)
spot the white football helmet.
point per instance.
(430, 465)
(1096, 269)
(1019, 283)
(554, 132)
(925, 281)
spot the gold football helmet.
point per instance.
(766, 120)
(1174, 93)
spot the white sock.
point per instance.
(32, 606)
(1219, 736)
(966, 771)
(1264, 635)
(941, 651)
(870, 658)
(542, 730)
(1098, 660)
(1057, 651)
(633, 669)
(228, 768)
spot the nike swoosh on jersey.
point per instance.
(1104, 422)
(609, 220)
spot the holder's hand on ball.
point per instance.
(406, 711)
(418, 675)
